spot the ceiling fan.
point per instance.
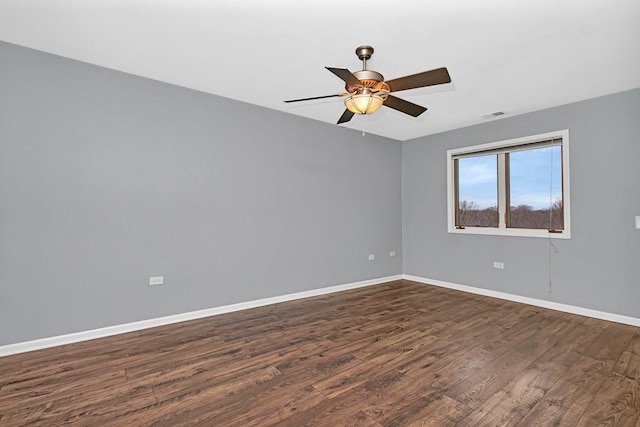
(367, 90)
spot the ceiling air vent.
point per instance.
(492, 115)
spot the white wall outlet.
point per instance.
(158, 280)
(638, 222)
(372, 257)
(497, 264)
(392, 253)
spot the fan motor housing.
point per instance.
(369, 79)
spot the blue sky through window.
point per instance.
(478, 180)
(536, 177)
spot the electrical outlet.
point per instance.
(638, 222)
(392, 253)
(497, 264)
(158, 280)
(372, 257)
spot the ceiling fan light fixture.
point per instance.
(363, 103)
(367, 91)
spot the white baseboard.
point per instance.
(618, 318)
(40, 344)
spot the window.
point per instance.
(518, 187)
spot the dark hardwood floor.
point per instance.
(397, 354)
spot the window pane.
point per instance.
(535, 188)
(477, 191)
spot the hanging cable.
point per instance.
(551, 245)
(551, 188)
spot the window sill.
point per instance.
(513, 232)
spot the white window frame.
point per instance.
(502, 230)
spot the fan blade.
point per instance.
(315, 97)
(404, 106)
(428, 78)
(345, 117)
(345, 75)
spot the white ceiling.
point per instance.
(503, 55)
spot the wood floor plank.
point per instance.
(320, 360)
(500, 371)
(283, 404)
(480, 386)
(346, 408)
(465, 358)
(567, 350)
(570, 396)
(617, 403)
(396, 354)
(612, 342)
(511, 403)
(398, 396)
(439, 411)
(347, 379)
(547, 337)
(301, 367)
(114, 402)
(74, 351)
(35, 377)
(399, 354)
(411, 402)
(56, 390)
(628, 364)
(454, 367)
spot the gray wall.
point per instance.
(599, 268)
(107, 179)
